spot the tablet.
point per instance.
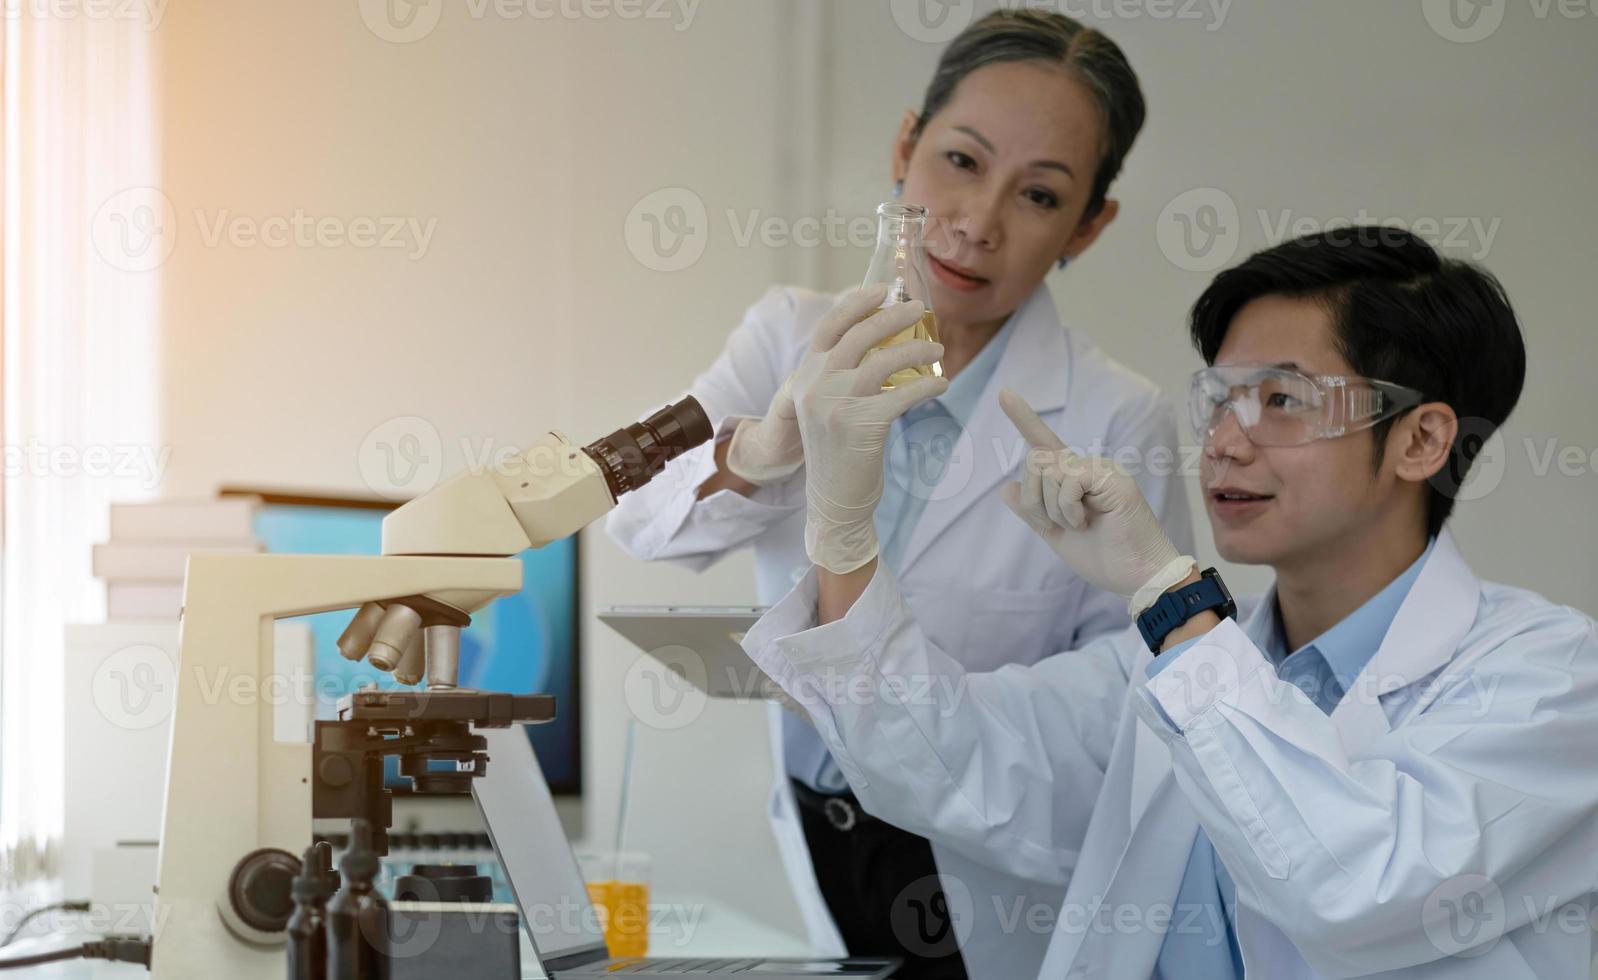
(688, 638)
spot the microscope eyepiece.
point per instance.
(631, 457)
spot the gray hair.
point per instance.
(1041, 35)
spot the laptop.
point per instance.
(701, 644)
(556, 913)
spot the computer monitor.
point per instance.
(521, 644)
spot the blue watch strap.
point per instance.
(1173, 609)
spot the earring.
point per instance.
(1065, 260)
(898, 188)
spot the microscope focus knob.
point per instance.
(261, 889)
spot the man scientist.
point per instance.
(1382, 767)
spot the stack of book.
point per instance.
(142, 563)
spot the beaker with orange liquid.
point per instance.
(618, 885)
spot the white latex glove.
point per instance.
(845, 416)
(768, 449)
(1092, 514)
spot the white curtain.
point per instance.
(84, 232)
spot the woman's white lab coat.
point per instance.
(1440, 824)
(979, 581)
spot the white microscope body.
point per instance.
(238, 803)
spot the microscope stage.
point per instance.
(487, 709)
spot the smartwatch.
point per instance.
(1175, 608)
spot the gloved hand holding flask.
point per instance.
(845, 416)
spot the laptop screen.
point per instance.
(515, 803)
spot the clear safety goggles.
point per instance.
(1278, 406)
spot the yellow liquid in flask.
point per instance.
(925, 328)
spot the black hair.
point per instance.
(1400, 313)
(1042, 35)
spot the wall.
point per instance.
(531, 141)
(524, 144)
(1322, 111)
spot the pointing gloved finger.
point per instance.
(1035, 499)
(1067, 497)
(851, 309)
(1026, 500)
(1027, 422)
(1065, 465)
(883, 363)
(1051, 499)
(1039, 460)
(1101, 484)
(871, 332)
(1032, 498)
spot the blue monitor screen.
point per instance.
(521, 644)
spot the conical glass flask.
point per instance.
(901, 261)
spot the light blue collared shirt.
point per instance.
(919, 448)
(1202, 941)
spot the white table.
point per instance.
(688, 926)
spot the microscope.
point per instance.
(239, 803)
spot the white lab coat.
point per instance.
(1448, 805)
(981, 583)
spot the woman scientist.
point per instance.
(1023, 128)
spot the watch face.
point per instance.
(1229, 606)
